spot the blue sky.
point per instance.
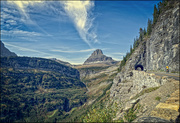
(72, 30)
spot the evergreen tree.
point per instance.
(160, 5)
(144, 31)
(155, 14)
(131, 50)
(140, 34)
(149, 28)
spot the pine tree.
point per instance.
(155, 14)
(140, 34)
(149, 28)
(144, 31)
(131, 50)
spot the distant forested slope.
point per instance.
(37, 89)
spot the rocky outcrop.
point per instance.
(161, 49)
(5, 52)
(142, 88)
(127, 86)
(98, 57)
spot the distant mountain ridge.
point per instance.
(62, 62)
(98, 57)
(5, 52)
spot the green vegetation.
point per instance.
(158, 98)
(132, 113)
(100, 114)
(33, 93)
(148, 90)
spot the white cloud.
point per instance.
(22, 4)
(11, 22)
(37, 52)
(80, 13)
(22, 48)
(20, 33)
(122, 54)
(69, 51)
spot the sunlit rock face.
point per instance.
(162, 48)
(98, 57)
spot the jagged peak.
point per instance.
(97, 52)
(98, 57)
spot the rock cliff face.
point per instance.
(98, 57)
(161, 49)
(5, 52)
(156, 52)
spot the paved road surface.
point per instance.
(170, 75)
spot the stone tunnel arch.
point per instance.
(139, 67)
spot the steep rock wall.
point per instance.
(161, 49)
(163, 45)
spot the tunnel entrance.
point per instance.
(139, 67)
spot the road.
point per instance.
(170, 75)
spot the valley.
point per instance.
(135, 89)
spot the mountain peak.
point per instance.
(98, 57)
(97, 52)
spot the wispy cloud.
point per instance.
(80, 13)
(25, 18)
(69, 51)
(121, 54)
(20, 33)
(46, 55)
(23, 4)
(23, 49)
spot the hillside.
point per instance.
(137, 89)
(37, 89)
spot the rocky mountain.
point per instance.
(160, 49)
(98, 57)
(5, 52)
